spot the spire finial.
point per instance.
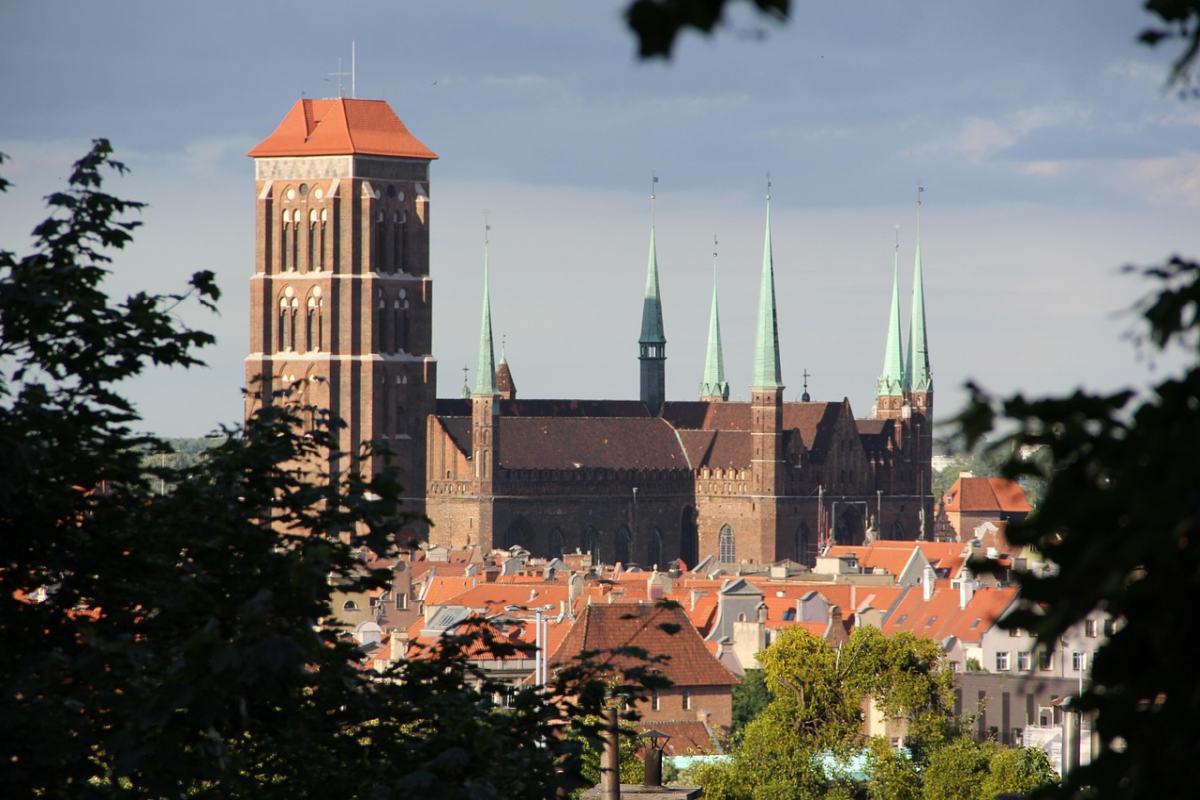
(806, 375)
(920, 191)
(466, 387)
(768, 186)
(653, 196)
(503, 346)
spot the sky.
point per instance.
(1050, 153)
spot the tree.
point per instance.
(750, 697)
(1017, 770)
(815, 712)
(181, 644)
(955, 771)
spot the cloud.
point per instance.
(1138, 71)
(1169, 181)
(981, 137)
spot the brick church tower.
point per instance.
(341, 299)
(904, 394)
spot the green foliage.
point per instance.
(956, 771)
(893, 776)
(1017, 770)
(177, 644)
(750, 697)
(1119, 519)
(988, 460)
(816, 711)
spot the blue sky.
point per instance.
(1050, 153)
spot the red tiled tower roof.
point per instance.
(342, 126)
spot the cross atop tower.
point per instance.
(804, 398)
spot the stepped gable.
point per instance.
(610, 626)
(342, 126)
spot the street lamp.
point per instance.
(652, 756)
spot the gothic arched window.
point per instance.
(377, 243)
(623, 546)
(321, 246)
(728, 548)
(656, 549)
(285, 247)
(380, 325)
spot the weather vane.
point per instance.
(768, 185)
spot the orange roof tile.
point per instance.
(976, 494)
(940, 616)
(341, 126)
(610, 626)
(687, 737)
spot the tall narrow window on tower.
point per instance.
(727, 546)
(380, 341)
(377, 243)
(309, 257)
(321, 248)
(285, 232)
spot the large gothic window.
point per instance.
(591, 541)
(689, 537)
(623, 545)
(558, 543)
(802, 543)
(656, 549)
(728, 549)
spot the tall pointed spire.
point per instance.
(652, 343)
(919, 378)
(767, 373)
(714, 386)
(891, 380)
(652, 319)
(485, 368)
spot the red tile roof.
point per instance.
(341, 126)
(687, 737)
(973, 494)
(940, 616)
(607, 627)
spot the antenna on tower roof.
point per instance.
(339, 75)
(353, 70)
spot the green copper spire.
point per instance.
(891, 380)
(714, 384)
(917, 374)
(766, 342)
(652, 319)
(485, 369)
(652, 344)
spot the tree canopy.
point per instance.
(179, 642)
(813, 724)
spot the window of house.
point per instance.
(789, 615)
(1077, 661)
(1002, 661)
(349, 605)
(656, 702)
(1014, 633)
(1045, 659)
(1023, 662)
(1090, 628)
(1108, 627)
(687, 700)
(955, 666)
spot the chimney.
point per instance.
(966, 588)
(398, 645)
(927, 579)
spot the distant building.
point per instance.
(341, 308)
(972, 501)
